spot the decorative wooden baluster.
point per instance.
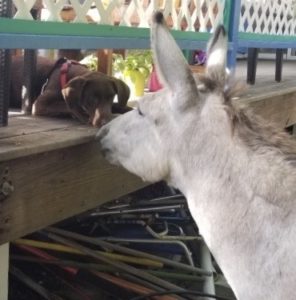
(5, 61)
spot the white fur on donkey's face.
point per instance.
(138, 140)
(134, 140)
(150, 140)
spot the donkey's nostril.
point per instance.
(105, 151)
(100, 138)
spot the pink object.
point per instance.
(154, 84)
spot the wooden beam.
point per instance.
(252, 65)
(51, 186)
(279, 57)
(4, 268)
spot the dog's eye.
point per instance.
(140, 112)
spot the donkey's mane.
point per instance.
(255, 132)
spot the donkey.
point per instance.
(237, 172)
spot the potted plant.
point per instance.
(134, 69)
(91, 61)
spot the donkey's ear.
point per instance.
(170, 62)
(216, 55)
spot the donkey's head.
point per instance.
(150, 140)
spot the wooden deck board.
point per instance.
(274, 101)
(33, 142)
(33, 125)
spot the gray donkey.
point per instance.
(237, 172)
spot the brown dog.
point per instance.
(88, 97)
(43, 68)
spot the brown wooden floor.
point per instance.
(275, 101)
(26, 135)
(266, 71)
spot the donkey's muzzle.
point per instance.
(102, 133)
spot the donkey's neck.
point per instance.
(240, 199)
(221, 173)
(216, 159)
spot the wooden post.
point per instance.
(4, 264)
(279, 64)
(252, 65)
(5, 61)
(105, 61)
(28, 96)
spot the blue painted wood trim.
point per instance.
(266, 44)
(233, 32)
(27, 41)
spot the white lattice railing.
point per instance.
(190, 15)
(268, 17)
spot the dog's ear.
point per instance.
(73, 93)
(77, 84)
(122, 91)
(97, 101)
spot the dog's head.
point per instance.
(90, 97)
